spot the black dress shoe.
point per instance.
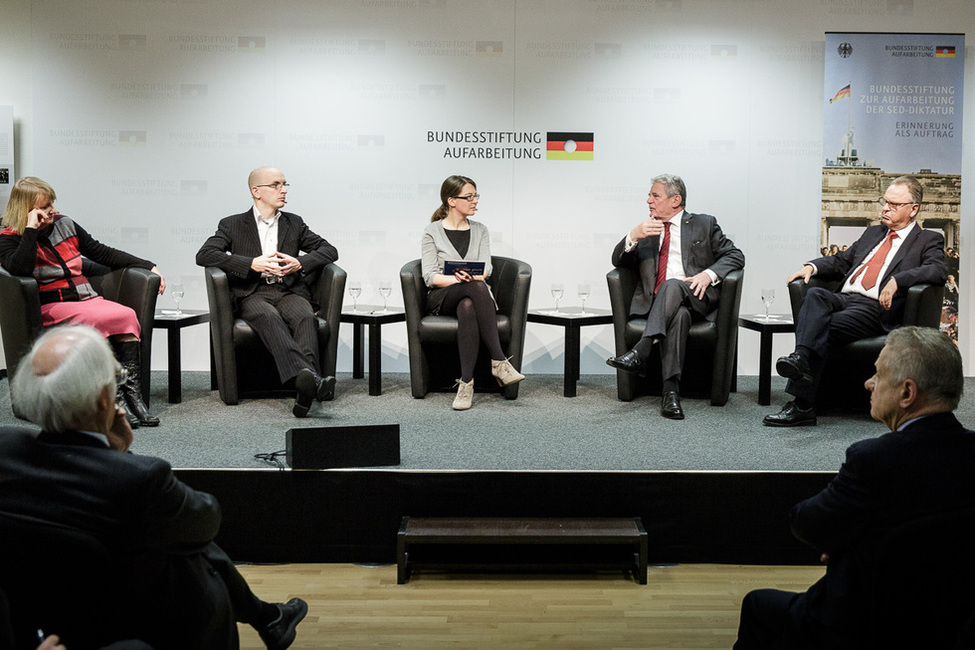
(791, 416)
(280, 634)
(307, 392)
(325, 388)
(670, 406)
(794, 367)
(629, 362)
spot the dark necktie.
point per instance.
(662, 259)
(872, 268)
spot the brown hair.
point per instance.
(448, 190)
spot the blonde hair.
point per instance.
(23, 197)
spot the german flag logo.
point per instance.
(569, 145)
(132, 138)
(944, 52)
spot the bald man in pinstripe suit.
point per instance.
(265, 253)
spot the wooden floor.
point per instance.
(685, 606)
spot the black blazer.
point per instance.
(884, 482)
(237, 242)
(702, 246)
(160, 529)
(920, 259)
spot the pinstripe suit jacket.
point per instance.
(236, 243)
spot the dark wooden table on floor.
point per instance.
(375, 318)
(172, 322)
(775, 324)
(572, 319)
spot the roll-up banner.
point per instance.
(893, 106)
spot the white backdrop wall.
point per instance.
(147, 115)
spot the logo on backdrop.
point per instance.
(568, 145)
(514, 145)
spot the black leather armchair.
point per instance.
(59, 580)
(432, 340)
(709, 366)
(20, 309)
(849, 366)
(66, 581)
(244, 366)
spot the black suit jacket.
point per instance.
(920, 259)
(237, 242)
(703, 246)
(887, 481)
(159, 529)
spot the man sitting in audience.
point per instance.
(922, 467)
(182, 590)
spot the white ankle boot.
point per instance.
(505, 373)
(465, 395)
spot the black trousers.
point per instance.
(828, 319)
(674, 308)
(286, 324)
(764, 622)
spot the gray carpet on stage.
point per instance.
(541, 430)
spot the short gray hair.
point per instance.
(913, 185)
(673, 184)
(931, 359)
(68, 395)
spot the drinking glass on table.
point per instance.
(385, 289)
(557, 292)
(768, 296)
(355, 290)
(583, 294)
(177, 292)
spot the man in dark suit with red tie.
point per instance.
(266, 254)
(680, 259)
(877, 271)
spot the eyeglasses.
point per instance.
(469, 197)
(884, 203)
(121, 374)
(275, 186)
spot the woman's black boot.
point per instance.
(128, 355)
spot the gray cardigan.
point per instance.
(435, 249)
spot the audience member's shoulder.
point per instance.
(17, 434)
(138, 463)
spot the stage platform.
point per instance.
(716, 487)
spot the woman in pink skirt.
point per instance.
(39, 242)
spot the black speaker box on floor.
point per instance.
(352, 446)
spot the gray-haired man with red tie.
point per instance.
(680, 258)
(877, 270)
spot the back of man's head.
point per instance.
(931, 359)
(58, 383)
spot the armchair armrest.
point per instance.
(20, 316)
(798, 289)
(328, 290)
(621, 282)
(924, 305)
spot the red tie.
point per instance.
(662, 260)
(871, 269)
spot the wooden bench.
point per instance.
(476, 534)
